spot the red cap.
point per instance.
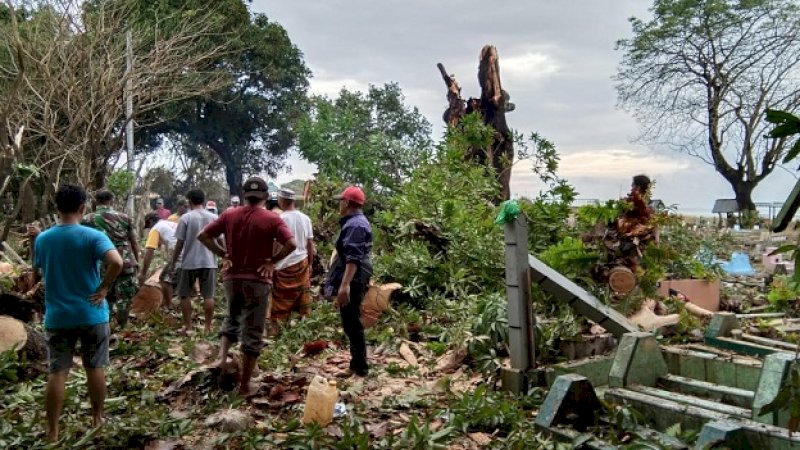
(353, 194)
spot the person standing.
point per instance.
(235, 202)
(68, 256)
(163, 213)
(348, 278)
(272, 203)
(248, 265)
(118, 227)
(292, 280)
(197, 262)
(161, 235)
(211, 206)
(181, 208)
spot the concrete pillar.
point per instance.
(521, 323)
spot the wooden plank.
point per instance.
(769, 342)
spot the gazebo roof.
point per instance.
(725, 205)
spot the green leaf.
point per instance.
(776, 116)
(674, 430)
(783, 249)
(784, 130)
(792, 154)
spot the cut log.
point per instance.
(376, 301)
(12, 334)
(149, 297)
(621, 280)
(30, 344)
(146, 301)
(19, 307)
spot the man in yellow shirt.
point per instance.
(180, 209)
(162, 234)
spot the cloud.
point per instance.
(610, 163)
(332, 86)
(528, 66)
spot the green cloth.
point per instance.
(509, 210)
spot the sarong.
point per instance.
(291, 291)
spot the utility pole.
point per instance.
(129, 118)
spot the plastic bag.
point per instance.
(509, 211)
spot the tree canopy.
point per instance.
(700, 75)
(63, 75)
(373, 138)
(250, 125)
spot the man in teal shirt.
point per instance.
(68, 256)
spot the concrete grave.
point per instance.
(729, 434)
(638, 361)
(774, 375)
(571, 400)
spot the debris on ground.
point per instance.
(229, 420)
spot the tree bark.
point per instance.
(492, 106)
(744, 195)
(233, 172)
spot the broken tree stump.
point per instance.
(492, 107)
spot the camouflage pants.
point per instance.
(119, 297)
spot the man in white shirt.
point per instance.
(292, 276)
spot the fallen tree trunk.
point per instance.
(18, 307)
(31, 346)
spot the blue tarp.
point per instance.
(738, 265)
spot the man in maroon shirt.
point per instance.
(162, 212)
(248, 264)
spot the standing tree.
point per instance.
(63, 76)
(700, 75)
(372, 138)
(249, 125)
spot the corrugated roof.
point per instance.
(725, 205)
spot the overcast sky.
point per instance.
(556, 61)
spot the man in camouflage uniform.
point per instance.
(119, 228)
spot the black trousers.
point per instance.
(351, 322)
